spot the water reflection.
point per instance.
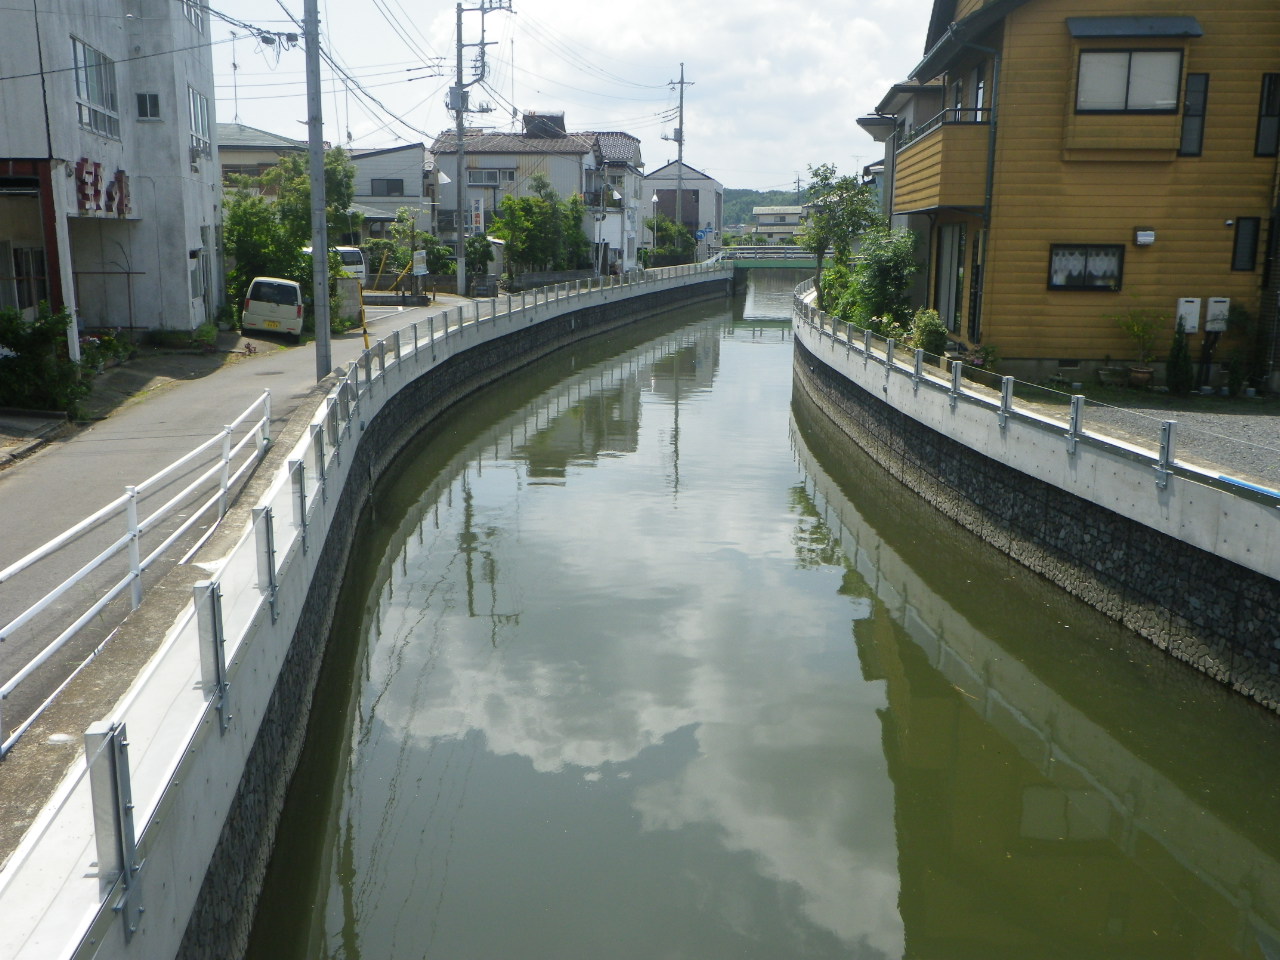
(640, 668)
(1062, 789)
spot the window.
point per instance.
(386, 188)
(194, 10)
(96, 103)
(1119, 81)
(1268, 142)
(29, 276)
(781, 219)
(1078, 266)
(199, 121)
(490, 178)
(148, 106)
(1244, 252)
(1193, 107)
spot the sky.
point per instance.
(775, 86)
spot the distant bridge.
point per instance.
(757, 257)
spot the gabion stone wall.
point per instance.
(1213, 614)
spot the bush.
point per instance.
(35, 371)
(928, 332)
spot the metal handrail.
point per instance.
(259, 433)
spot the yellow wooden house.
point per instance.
(1065, 162)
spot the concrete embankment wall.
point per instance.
(1191, 568)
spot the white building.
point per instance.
(618, 198)
(701, 207)
(499, 164)
(109, 181)
(389, 179)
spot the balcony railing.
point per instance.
(947, 116)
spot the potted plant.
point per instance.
(1112, 376)
(1141, 327)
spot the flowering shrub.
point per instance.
(984, 357)
(98, 348)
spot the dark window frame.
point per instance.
(1195, 105)
(1090, 249)
(387, 187)
(1174, 105)
(1267, 140)
(1245, 244)
(148, 106)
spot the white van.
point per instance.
(274, 305)
(352, 261)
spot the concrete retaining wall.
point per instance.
(1191, 568)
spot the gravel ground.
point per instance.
(1240, 438)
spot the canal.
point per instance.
(638, 658)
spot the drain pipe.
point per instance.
(991, 170)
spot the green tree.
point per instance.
(673, 239)
(257, 243)
(541, 231)
(479, 255)
(881, 279)
(841, 211)
(289, 182)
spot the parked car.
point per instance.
(352, 261)
(274, 305)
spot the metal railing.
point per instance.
(951, 115)
(225, 460)
(1244, 468)
(87, 857)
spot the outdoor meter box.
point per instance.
(1215, 316)
(1189, 314)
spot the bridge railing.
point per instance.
(122, 824)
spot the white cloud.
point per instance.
(776, 85)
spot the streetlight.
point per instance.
(654, 200)
(622, 228)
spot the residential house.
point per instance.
(616, 195)
(501, 164)
(249, 152)
(777, 224)
(109, 185)
(387, 180)
(1065, 162)
(595, 165)
(701, 206)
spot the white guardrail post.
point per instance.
(207, 599)
(131, 521)
(106, 748)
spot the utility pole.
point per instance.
(679, 139)
(797, 189)
(458, 103)
(319, 224)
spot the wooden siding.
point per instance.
(945, 167)
(1066, 179)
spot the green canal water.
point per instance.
(637, 658)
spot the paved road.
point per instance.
(68, 479)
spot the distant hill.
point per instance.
(738, 203)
